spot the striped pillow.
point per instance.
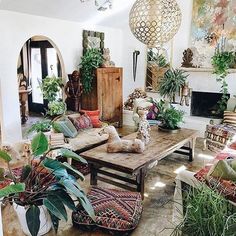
(230, 118)
(65, 126)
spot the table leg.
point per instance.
(140, 181)
(192, 148)
(93, 175)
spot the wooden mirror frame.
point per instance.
(87, 34)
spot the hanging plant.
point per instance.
(221, 62)
(90, 61)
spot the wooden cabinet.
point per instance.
(106, 95)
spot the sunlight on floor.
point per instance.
(181, 168)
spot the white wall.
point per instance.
(16, 28)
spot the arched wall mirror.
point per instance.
(158, 62)
(38, 58)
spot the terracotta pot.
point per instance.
(45, 219)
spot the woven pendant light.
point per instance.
(154, 22)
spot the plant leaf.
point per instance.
(6, 157)
(56, 167)
(71, 187)
(55, 221)
(2, 174)
(32, 219)
(55, 206)
(69, 154)
(25, 172)
(11, 189)
(39, 144)
(65, 198)
(68, 166)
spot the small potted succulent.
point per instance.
(42, 189)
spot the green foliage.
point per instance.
(171, 83)
(32, 219)
(50, 87)
(40, 126)
(207, 214)
(169, 116)
(46, 182)
(39, 144)
(221, 62)
(91, 60)
(56, 108)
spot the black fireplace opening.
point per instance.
(204, 104)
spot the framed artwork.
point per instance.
(213, 28)
(93, 39)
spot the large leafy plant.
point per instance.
(51, 87)
(91, 60)
(44, 182)
(221, 62)
(169, 116)
(206, 213)
(171, 84)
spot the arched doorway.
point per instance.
(38, 58)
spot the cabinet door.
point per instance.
(110, 94)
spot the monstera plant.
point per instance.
(44, 185)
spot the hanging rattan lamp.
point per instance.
(154, 22)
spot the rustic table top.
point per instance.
(161, 145)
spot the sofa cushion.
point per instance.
(65, 126)
(94, 116)
(86, 138)
(81, 121)
(115, 210)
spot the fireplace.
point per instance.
(204, 104)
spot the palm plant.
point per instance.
(172, 82)
(44, 182)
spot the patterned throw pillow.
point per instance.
(65, 126)
(230, 118)
(94, 116)
(117, 211)
(81, 121)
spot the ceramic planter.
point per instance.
(45, 220)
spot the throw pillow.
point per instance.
(94, 116)
(81, 122)
(230, 118)
(65, 126)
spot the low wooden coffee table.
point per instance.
(136, 165)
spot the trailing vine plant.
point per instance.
(221, 62)
(91, 60)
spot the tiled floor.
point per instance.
(158, 203)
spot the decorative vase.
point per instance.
(45, 219)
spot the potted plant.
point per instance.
(91, 60)
(51, 87)
(221, 62)
(169, 117)
(40, 126)
(172, 82)
(42, 186)
(206, 212)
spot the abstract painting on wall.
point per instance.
(213, 28)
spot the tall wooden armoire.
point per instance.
(106, 95)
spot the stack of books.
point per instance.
(57, 139)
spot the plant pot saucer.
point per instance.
(172, 131)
